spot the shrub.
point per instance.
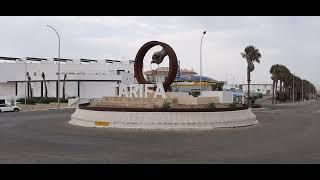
(232, 105)
(256, 106)
(166, 104)
(41, 100)
(212, 105)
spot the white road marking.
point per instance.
(271, 111)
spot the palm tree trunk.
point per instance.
(248, 76)
(45, 84)
(276, 91)
(63, 87)
(273, 92)
(45, 88)
(29, 86)
(280, 97)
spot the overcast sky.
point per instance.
(292, 41)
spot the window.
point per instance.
(35, 74)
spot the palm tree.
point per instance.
(275, 76)
(284, 72)
(29, 85)
(45, 85)
(63, 87)
(251, 54)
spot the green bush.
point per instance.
(166, 104)
(41, 100)
(212, 105)
(232, 105)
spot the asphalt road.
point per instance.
(286, 134)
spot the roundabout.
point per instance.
(152, 106)
(147, 118)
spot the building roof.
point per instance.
(257, 84)
(162, 70)
(195, 78)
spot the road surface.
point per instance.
(286, 134)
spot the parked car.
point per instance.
(9, 108)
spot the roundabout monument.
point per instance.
(152, 106)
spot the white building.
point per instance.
(85, 78)
(265, 89)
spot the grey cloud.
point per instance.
(292, 41)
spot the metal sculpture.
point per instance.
(156, 58)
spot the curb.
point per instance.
(50, 109)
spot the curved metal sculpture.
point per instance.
(156, 58)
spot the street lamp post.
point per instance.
(58, 65)
(204, 32)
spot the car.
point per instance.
(9, 108)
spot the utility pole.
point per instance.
(204, 32)
(58, 65)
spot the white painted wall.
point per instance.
(7, 89)
(224, 96)
(71, 89)
(97, 89)
(74, 70)
(258, 88)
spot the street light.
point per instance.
(204, 32)
(58, 65)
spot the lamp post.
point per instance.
(204, 32)
(58, 65)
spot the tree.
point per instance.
(275, 76)
(29, 86)
(284, 73)
(63, 87)
(45, 85)
(251, 54)
(218, 86)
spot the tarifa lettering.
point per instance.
(140, 90)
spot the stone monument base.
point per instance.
(163, 120)
(148, 113)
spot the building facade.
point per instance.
(84, 78)
(265, 89)
(188, 81)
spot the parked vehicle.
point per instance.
(9, 108)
